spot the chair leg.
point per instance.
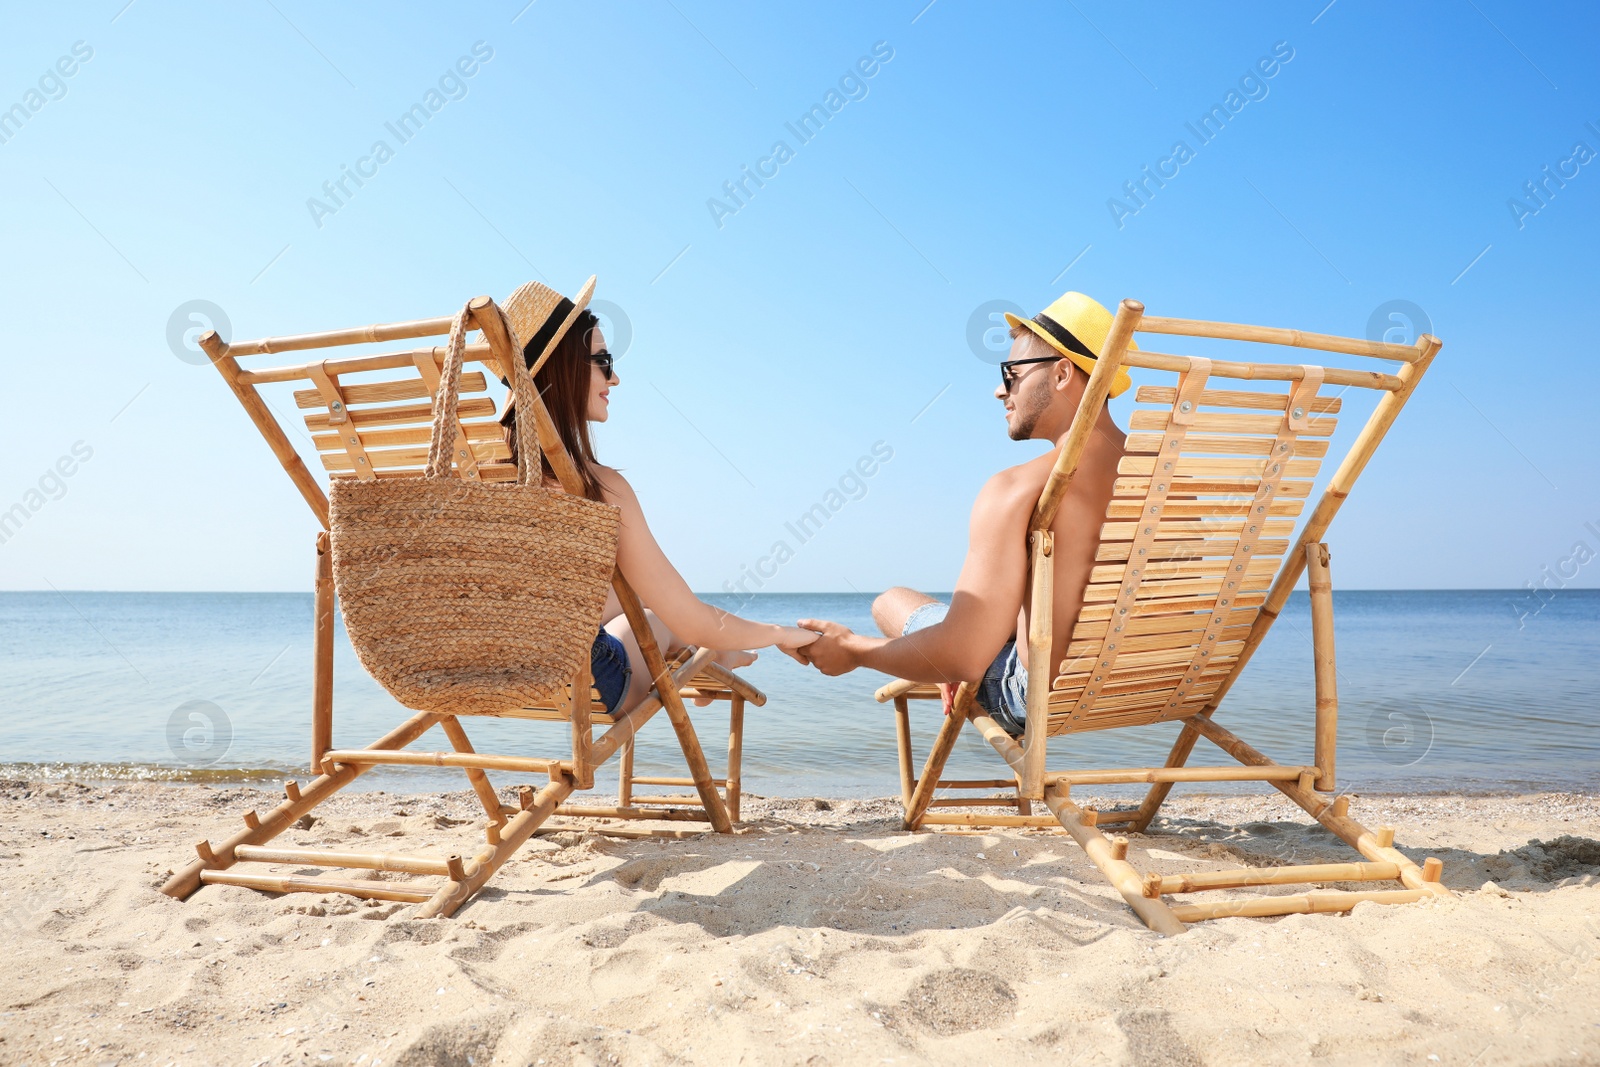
(322, 653)
(625, 777)
(943, 744)
(672, 703)
(735, 754)
(480, 782)
(1181, 750)
(264, 828)
(1331, 814)
(694, 755)
(1118, 871)
(902, 736)
(455, 893)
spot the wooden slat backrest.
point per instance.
(1187, 580)
(1206, 498)
(370, 415)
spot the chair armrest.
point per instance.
(898, 687)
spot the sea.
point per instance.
(1472, 691)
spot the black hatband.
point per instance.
(1063, 335)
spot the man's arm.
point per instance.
(983, 610)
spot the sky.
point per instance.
(173, 166)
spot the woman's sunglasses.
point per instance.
(604, 360)
(1008, 376)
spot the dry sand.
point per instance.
(820, 934)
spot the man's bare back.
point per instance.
(978, 636)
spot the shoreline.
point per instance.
(381, 780)
(821, 932)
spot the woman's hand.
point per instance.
(834, 650)
(792, 639)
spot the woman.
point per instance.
(576, 383)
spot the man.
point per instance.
(982, 634)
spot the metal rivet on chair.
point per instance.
(361, 459)
(337, 406)
(1186, 407)
(1299, 413)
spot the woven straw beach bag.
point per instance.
(469, 598)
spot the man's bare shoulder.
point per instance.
(1019, 485)
(1026, 477)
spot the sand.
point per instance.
(821, 934)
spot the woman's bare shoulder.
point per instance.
(616, 488)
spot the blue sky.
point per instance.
(775, 345)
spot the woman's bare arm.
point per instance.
(662, 589)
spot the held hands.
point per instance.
(793, 640)
(832, 652)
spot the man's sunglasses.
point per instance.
(604, 360)
(1008, 376)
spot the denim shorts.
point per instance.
(1003, 692)
(609, 667)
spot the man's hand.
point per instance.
(834, 652)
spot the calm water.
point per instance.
(1438, 690)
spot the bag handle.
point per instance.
(530, 465)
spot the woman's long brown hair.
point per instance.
(563, 383)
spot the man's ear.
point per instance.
(1065, 371)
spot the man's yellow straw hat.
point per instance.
(1076, 326)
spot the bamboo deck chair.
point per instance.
(1187, 584)
(368, 417)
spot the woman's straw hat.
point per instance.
(542, 316)
(1076, 326)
